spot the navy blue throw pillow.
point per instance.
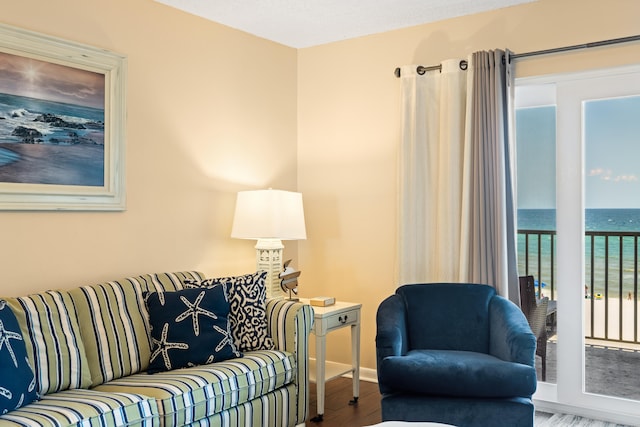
(189, 328)
(17, 382)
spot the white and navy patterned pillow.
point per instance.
(189, 327)
(248, 317)
(17, 381)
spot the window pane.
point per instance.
(536, 148)
(612, 221)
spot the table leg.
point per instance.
(321, 349)
(355, 361)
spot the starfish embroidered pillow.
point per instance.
(189, 327)
(17, 381)
(248, 316)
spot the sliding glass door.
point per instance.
(578, 143)
(611, 138)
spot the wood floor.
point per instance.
(338, 412)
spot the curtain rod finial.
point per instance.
(396, 72)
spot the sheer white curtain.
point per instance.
(431, 173)
(456, 219)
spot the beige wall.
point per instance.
(348, 132)
(210, 111)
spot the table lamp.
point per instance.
(269, 216)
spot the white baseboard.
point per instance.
(366, 374)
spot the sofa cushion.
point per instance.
(187, 395)
(114, 325)
(79, 408)
(457, 373)
(276, 409)
(188, 328)
(52, 338)
(247, 296)
(17, 382)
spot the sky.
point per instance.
(536, 142)
(612, 159)
(612, 154)
(33, 78)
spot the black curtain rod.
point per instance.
(463, 64)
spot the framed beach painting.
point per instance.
(62, 114)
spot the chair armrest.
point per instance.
(510, 337)
(290, 325)
(391, 331)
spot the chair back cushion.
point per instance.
(448, 316)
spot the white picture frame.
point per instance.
(55, 152)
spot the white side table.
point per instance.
(327, 319)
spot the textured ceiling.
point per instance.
(305, 23)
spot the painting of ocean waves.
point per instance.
(48, 142)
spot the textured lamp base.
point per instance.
(269, 259)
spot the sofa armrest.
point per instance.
(290, 325)
(510, 337)
(391, 333)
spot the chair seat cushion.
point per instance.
(457, 373)
(186, 396)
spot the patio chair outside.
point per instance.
(535, 310)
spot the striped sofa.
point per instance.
(89, 348)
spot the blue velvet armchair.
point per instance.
(457, 354)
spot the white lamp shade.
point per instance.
(269, 214)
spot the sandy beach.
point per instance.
(80, 164)
(613, 318)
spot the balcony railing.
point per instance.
(611, 278)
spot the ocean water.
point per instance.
(595, 219)
(79, 130)
(22, 111)
(619, 248)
